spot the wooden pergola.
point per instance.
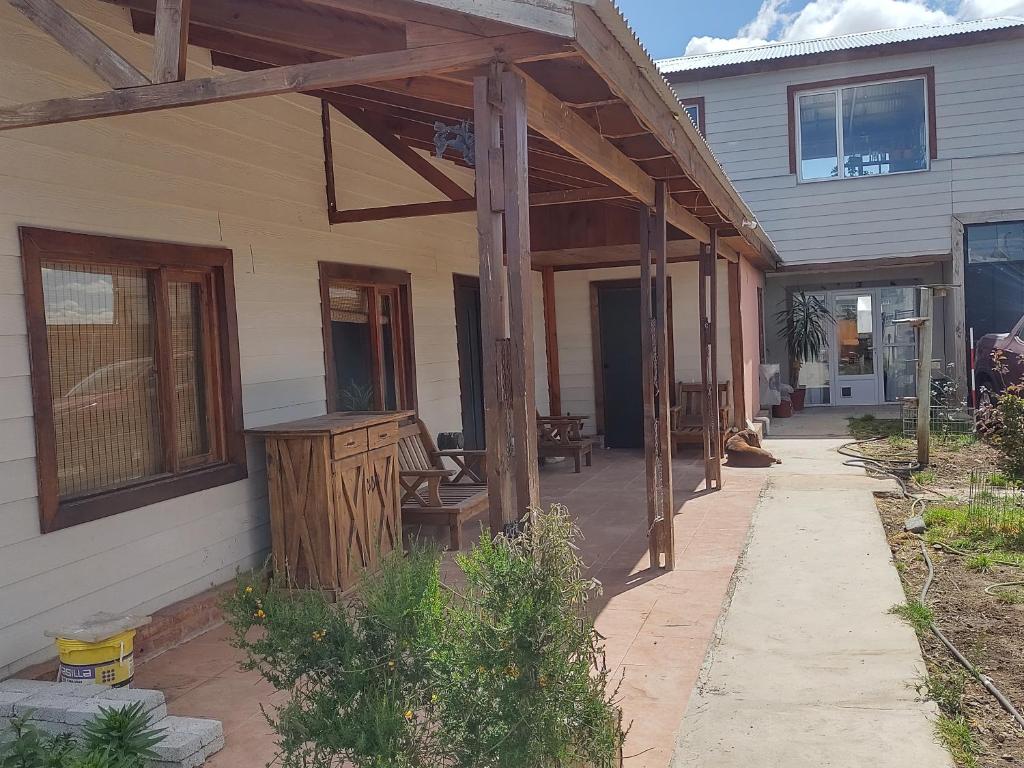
(575, 132)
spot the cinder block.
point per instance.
(80, 712)
(44, 707)
(151, 699)
(24, 686)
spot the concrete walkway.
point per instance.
(809, 668)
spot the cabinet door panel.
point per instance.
(384, 510)
(350, 499)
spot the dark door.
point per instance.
(471, 371)
(618, 309)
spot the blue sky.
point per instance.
(672, 27)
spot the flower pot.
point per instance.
(798, 396)
(783, 410)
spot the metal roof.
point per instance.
(772, 51)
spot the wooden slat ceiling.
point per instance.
(254, 34)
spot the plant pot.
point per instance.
(783, 410)
(798, 396)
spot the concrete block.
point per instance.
(44, 706)
(208, 731)
(151, 699)
(25, 686)
(177, 746)
(9, 698)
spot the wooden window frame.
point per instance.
(378, 280)
(226, 461)
(698, 102)
(799, 89)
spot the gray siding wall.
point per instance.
(980, 165)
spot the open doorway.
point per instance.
(471, 371)
(618, 364)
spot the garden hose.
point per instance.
(887, 467)
(988, 590)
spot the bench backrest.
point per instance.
(690, 397)
(416, 450)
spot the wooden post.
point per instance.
(520, 293)
(551, 342)
(924, 378)
(506, 298)
(739, 388)
(647, 352)
(493, 315)
(663, 379)
(709, 365)
(170, 40)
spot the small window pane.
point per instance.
(884, 128)
(351, 338)
(819, 146)
(855, 331)
(994, 276)
(188, 360)
(100, 345)
(389, 350)
(693, 110)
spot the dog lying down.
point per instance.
(744, 450)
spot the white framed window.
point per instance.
(850, 130)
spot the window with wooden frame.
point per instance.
(368, 343)
(135, 377)
(694, 108)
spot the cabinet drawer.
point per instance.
(348, 443)
(382, 434)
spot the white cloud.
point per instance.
(825, 18)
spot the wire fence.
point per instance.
(948, 421)
(996, 504)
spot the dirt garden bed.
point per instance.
(988, 627)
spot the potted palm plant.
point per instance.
(805, 321)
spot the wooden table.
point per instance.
(334, 496)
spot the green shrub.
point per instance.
(115, 738)
(916, 614)
(506, 673)
(1009, 440)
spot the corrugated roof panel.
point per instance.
(828, 44)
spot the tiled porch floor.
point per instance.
(657, 624)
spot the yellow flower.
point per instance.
(433, 698)
(391, 665)
(480, 670)
(319, 634)
(543, 681)
(260, 614)
(408, 715)
(512, 671)
(248, 590)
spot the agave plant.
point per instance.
(806, 321)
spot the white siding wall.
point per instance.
(980, 167)
(575, 350)
(247, 176)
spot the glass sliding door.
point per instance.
(856, 378)
(899, 343)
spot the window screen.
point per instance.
(100, 338)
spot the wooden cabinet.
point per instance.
(334, 496)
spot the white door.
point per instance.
(856, 380)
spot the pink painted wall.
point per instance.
(751, 279)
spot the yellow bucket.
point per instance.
(108, 662)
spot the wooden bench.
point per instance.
(562, 436)
(688, 414)
(433, 494)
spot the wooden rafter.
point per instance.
(171, 45)
(423, 167)
(82, 43)
(296, 78)
(465, 205)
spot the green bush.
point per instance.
(1009, 440)
(116, 738)
(507, 672)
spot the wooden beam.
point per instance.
(738, 356)
(551, 342)
(170, 48)
(81, 42)
(662, 377)
(405, 12)
(520, 292)
(330, 32)
(413, 159)
(465, 205)
(495, 345)
(268, 82)
(552, 16)
(562, 125)
(661, 112)
(332, 193)
(707, 304)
